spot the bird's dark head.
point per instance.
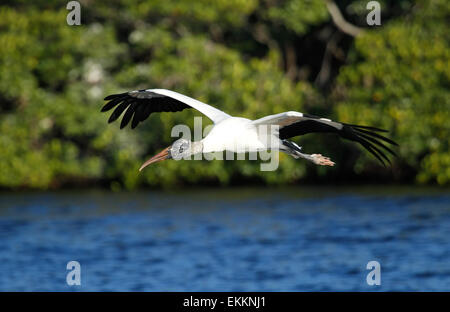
(180, 149)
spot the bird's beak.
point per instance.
(163, 155)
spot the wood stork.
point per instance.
(236, 134)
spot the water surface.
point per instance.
(297, 239)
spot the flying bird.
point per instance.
(237, 134)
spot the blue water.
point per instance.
(226, 240)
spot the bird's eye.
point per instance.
(181, 149)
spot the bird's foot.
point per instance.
(318, 159)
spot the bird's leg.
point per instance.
(318, 159)
(295, 151)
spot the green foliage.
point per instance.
(299, 15)
(53, 78)
(400, 81)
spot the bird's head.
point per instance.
(180, 149)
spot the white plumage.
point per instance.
(216, 115)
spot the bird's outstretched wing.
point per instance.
(139, 104)
(294, 124)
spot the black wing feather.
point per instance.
(127, 116)
(377, 142)
(370, 149)
(138, 115)
(364, 135)
(118, 111)
(304, 127)
(113, 103)
(366, 127)
(139, 105)
(115, 96)
(375, 135)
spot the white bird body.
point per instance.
(236, 134)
